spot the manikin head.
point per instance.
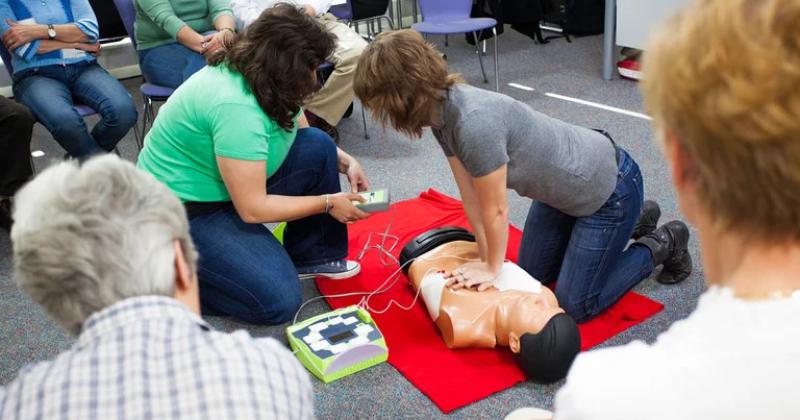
(543, 338)
(87, 237)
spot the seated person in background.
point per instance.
(721, 84)
(105, 249)
(16, 126)
(326, 107)
(174, 37)
(233, 145)
(516, 312)
(53, 47)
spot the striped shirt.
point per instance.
(150, 357)
(47, 12)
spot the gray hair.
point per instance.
(86, 237)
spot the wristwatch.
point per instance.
(51, 32)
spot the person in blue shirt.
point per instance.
(54, 44)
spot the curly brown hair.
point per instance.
(277, 56)
(402, 80)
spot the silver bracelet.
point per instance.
(327, 203)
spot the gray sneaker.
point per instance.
(335, 270)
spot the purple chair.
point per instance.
(150, 92)
(443, 17)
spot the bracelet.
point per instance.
(233, 31)
(328, 206)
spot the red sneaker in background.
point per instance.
(630, 69)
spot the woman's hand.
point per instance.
(357, 177)
(471, 274)
(19, 35)
(349, 166)
(215, 42)
(93, 49)
(342, 208)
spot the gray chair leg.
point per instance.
(389, 21)
(480, 59)
(364, 121)
(496, 66)
(33, 166)
(137, 136)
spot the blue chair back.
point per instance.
(127, 12)
(445, 10)
(6, 56)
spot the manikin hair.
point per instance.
(547, 356)
(89, 236)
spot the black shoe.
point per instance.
(669, 246)
(648, 219)
(317, 122)
(5, 214)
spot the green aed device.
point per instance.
(377, 201)
(338, 343)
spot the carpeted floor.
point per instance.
(407, 168)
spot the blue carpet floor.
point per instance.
(407, 168)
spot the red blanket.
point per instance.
(450, 378)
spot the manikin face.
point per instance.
(529, 315)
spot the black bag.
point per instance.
(585, 17)
(108, 19)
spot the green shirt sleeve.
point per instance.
(163, 15)
(217, 8)
(240, 132)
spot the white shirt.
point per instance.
(730, 359)
(150, 357)
(247, 11)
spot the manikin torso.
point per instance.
(468, 318)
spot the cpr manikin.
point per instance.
(518, 312)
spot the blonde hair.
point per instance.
(723, 76)
(401, 79)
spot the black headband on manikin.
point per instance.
(547, 356)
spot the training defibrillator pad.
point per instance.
(431, 239)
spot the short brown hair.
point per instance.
(724, 77)
(401, 79)
(277, 55)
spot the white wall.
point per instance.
(636, 18)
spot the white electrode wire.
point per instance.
(383, 288)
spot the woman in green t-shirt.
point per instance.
(236, 127)
(174, 37)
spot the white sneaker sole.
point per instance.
(333, 276)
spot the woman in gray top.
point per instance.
(587, 191)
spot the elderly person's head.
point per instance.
(89, 236)
(722, 81)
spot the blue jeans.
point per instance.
(51, 91)
(244, 271)
(170, 65)
(587, 255)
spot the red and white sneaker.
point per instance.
(630, 69)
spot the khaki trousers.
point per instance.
(331, 102)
